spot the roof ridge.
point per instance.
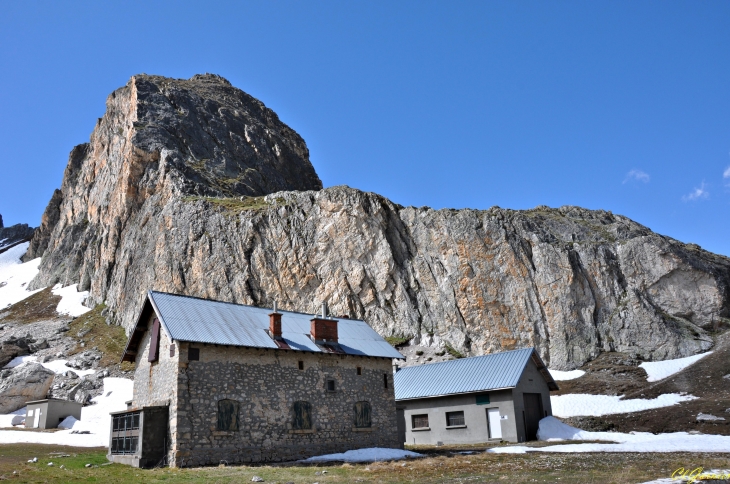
(466, 358)
(245, 305)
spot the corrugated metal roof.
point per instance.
(465, 375)
(215, 322)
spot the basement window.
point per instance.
(301, 365)
(359, 370)
(330, 385)
(193, 354)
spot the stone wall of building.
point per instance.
(266, 383)
(156, 383)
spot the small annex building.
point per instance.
(48, 413)
(502, 396)
(218, 382)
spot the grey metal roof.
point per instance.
(464, 375)
(205, 321)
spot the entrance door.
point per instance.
(532, 415)
(495, 423)
(401, 424)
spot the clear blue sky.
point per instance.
(623, 106)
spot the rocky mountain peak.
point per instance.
(194, 187)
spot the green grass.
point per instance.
(38, 307)
(109, 339)
(396, 341)
(442, 464)
(453, 352)
(233, 204)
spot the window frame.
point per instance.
(455, 419)
(302, 415)
(421, 417)
(330, 382)
(233, 413)
(363, 415)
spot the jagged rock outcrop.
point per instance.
(14, 235)
(24, 383)
(569, 281)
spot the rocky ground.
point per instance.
(620, 374)
(86, 345)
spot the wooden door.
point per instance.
(532, 414)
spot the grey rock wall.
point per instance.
(159, 200)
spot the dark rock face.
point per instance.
(14, 235)
(162, 138)
(145, 205)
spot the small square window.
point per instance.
(193, 354)
(454, 419)
(359, 370)
(301, 365)
(419, 421)
(330, 385)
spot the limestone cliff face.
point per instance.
(134, 214)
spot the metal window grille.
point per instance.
(454, 418)
(125, 433)
(419, 421)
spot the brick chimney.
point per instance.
(275, 323)
(324, 328)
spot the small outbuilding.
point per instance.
(502, 396)
(47, 414)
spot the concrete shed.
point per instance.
(47, 414)
(497, 397)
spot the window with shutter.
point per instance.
(302, 416)
(154, 341)
(228, 415)
(362, 414)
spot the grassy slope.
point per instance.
(480, 467)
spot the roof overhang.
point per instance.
(453, 394)
(552, 385)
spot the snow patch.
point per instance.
(566, 375)
(372, 454)
(20, 360)
(72, 301)
(15, 275)
(13, 418)
(552, 429)
(578, 404)
(659, 370)
(94, 418)
(56, 366)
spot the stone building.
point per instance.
(502, 396)
(240, 384)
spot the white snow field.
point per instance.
(552, 429)
(56, 366)
(659, 370)
(15, 275)
(94, 418)
(559, 375)
(72, 302)
(372, 454)
(578, 404)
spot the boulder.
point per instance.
(22, 384)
